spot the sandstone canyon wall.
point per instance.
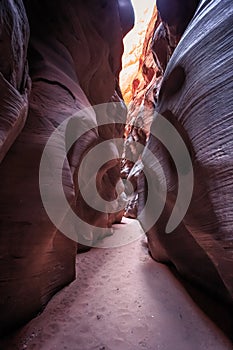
(168, 22)
(196, 98)
(74, 63)
(190, 86)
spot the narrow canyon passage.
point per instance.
(116, 175)
(121, 300)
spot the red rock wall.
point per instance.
(14, 80)
(74, 62)
(196, 98)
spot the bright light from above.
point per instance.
(133, 43)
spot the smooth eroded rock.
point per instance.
(197, 100)
(74, 62)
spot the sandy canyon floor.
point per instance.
(121, 300)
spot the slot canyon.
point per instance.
(116, 175)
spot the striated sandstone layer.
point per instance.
(14, 79)
(196, 98)
(134, 45)
(74, 62)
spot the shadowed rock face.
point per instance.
(14, 81)
(74, 62)
(177, 14)
(196, 97)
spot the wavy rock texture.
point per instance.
(168, 22)
(143, 84)
(196, 97)
(74, 63)
(140, 110)
(14, 80)
(134, 45)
